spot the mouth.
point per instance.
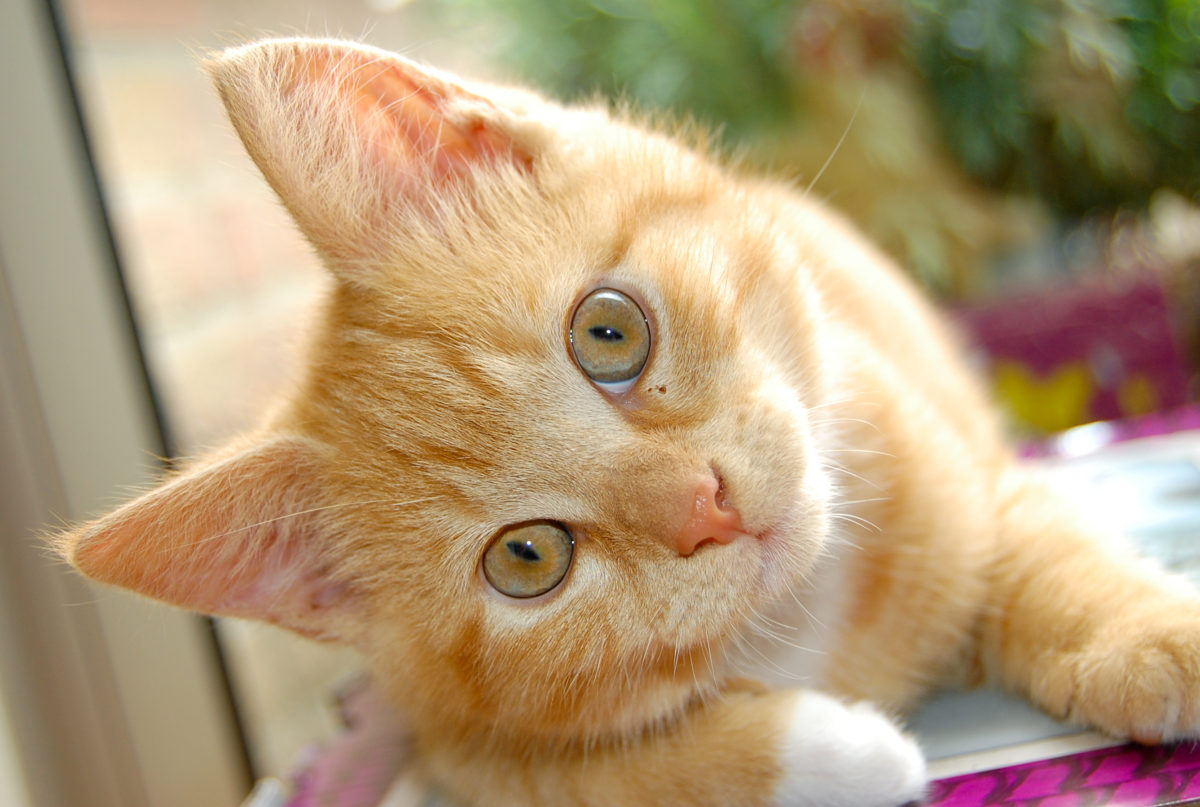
(787, 557)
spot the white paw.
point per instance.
(836, 755)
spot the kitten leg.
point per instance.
(791, 748)
(1086, 630)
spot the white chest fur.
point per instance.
(788, 642)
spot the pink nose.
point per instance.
(709, 519)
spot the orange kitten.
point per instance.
(596, 432)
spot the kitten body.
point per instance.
(802, 485)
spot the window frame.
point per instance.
(111, 700)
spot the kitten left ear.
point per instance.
(243, 535)
(353, 138)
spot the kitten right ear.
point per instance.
(352, 138)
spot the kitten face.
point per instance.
(446, 404)
(477, 412)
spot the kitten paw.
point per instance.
(1134, 680)
(836, 755)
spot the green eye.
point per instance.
(610, 338)
(529, 560)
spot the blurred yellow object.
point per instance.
(1138, 396)
(1046, 403)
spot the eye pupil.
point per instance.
(524, 550)
(605, 334)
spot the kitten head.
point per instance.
(554, 441)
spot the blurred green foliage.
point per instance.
(1084, 104)
(725, 62)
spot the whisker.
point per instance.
(776, 622)
(859, 421)
(765, 660)
(708, 655)
(875, 500)
(785, 641)
(837, 146)
(859, 451)
(860, 478)
(858, 520)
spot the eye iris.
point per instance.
(610, 337)
(529, 560)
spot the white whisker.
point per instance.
(837, 146)
(859, 451)
(857, 520)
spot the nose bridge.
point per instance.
(648, 476)
(676, 497)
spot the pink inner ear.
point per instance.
(402, 115)
(238, 538)
(261, 573)
(285, 583)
